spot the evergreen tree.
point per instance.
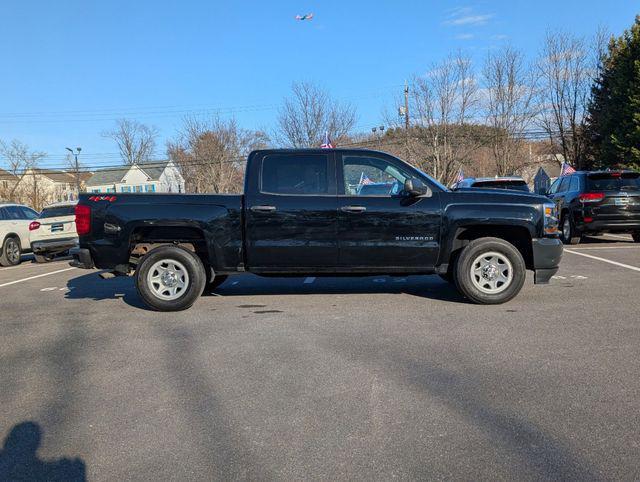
(614, 111)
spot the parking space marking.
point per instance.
(619, 236)
(607, 247)
(34, 277)
(622, 265)
(309, 280)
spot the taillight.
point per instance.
(83, 219)
(591, 197)
(34, 225)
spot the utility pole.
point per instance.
(77, 166)
(406, 106)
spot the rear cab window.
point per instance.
(626, 181)
(295, 174)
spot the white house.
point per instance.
(145, 177)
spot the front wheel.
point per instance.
(11, 252)
(490, 271)
(170, 278)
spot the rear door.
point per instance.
(389, 231)
(291, 220)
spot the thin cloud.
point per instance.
(466, 16)
(465, 36)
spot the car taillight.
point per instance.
(83, 219)
(591, 197)
(34, 225)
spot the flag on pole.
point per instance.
(566, 169)
(327, 144)
(460, 176)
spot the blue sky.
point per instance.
(70, 68)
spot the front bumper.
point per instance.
(81, 258)
(547, 253)
(53, 245)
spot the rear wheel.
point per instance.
(490, 271)
(11, 252)
(569, 234)
(170, 278)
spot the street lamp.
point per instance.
(75, 155)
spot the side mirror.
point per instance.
(415, 189)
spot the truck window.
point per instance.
(295, 174)
(371, 176)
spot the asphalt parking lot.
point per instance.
(326, 378)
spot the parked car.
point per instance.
(295, 219)
(512, 182)
(54, 232)
(14, 232)
(597, 202)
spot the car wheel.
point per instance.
(11, 252)
(569, 233)
(490, 271)
(636, 236)
(170, 278)
(40, 258)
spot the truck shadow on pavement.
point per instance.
(92, 287)
(19, 459)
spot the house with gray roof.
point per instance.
(144, 177)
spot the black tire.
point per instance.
(636, 236)
(568, 233)
(503, 249)
(41, 258)
(194, 280)
(11, 252)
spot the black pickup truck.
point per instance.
(305, 212)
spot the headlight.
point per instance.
(550, 218)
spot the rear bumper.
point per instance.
(615, 226)
(547, 253)
(81, 258)
(53, 245)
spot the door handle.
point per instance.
(263, 209)
(353, 209)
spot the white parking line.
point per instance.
(309, 280)
(606, 247)
(620, 236)
(622, 265)
(34, 277)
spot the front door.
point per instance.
(291, 220)
(379, 227)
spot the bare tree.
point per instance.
(309, 113)
(443, 105)
(211, 153)
(136, 142)
(568, 65)
(509, 104)
(21, 161)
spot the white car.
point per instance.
(54, 232)
(14, 232)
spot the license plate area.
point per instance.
(56, 228)
(621, 201)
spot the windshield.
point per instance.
(615, 181)
(513, 184)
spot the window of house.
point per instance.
(125, 189)
(150, 188)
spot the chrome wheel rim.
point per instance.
(491, 272)
(13, 251)
(566, 228)
(168, 279)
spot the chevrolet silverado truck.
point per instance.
(304, 213)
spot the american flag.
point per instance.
(566, 169)
(327, 144)
(460, 176)
(364, 179)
